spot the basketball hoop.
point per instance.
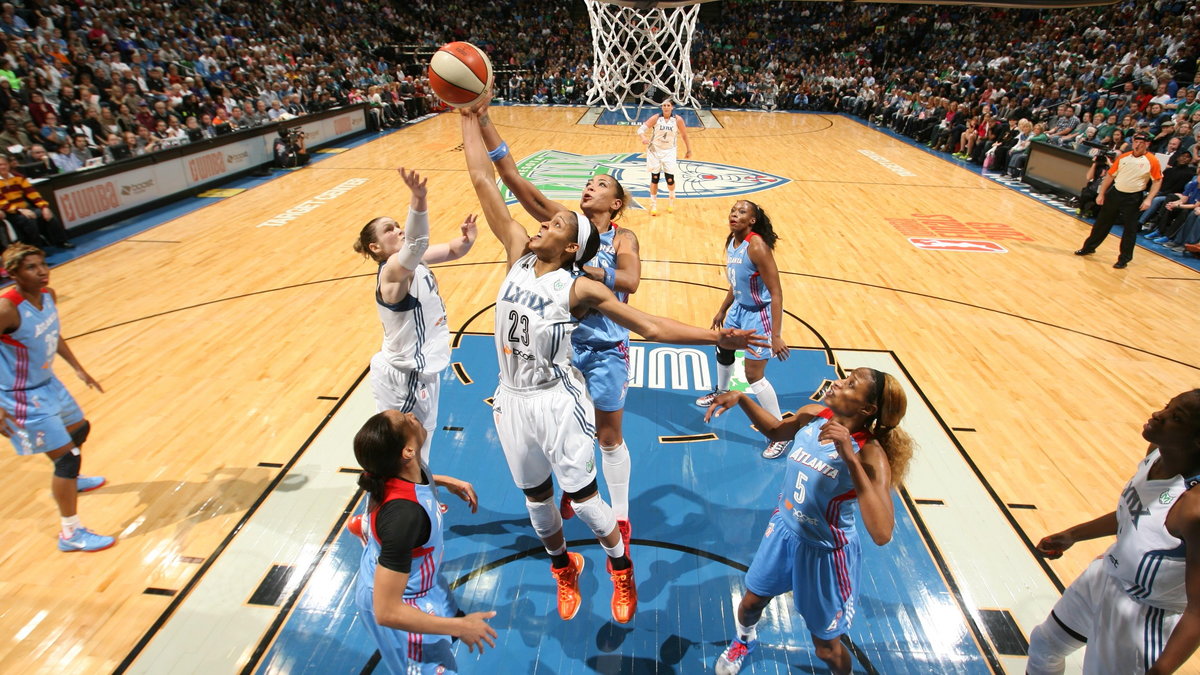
(640, 49)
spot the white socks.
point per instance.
(69, 525)
(616, 476)
(724, 374)
(765, 393)
(746, 634)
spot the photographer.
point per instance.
(290, 151)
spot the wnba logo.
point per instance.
(206, 166)
(88, 201)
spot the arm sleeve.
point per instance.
(416, 239)
(401, 526)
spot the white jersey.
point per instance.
(1146, 561)
(534, 326)
(415, 335)
(664, 135)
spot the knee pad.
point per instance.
(547, 486)
(80, 435)
(1049, 645)
(545, 517)
(670, 178)
(725, 356)
(583, 492)
(68, 465)
(596, 514)
(653, 178)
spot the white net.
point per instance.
(641, 55)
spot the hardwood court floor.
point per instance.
(216, 341)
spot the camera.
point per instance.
(291, 134)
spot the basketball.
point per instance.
(460, 74)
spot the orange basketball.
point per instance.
(460, 74)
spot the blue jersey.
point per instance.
(748, 287)
(595, 329)
(28, 352)
(817, 497)
(426, 590)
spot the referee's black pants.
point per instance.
(1119, 208)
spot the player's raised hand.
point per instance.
(479, 109)
(1052, 546)
(732, 339)
(722, 403)
(839, 435)
(469, 230)
(414, 182)
(475, 631)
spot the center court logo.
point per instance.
(561, 176)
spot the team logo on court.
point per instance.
(561, 176)
(932, 244)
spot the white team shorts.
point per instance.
(406, 391)
(662, 161)
(549, 430)
(1123, 635)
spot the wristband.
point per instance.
(499, 153)
(610, 278)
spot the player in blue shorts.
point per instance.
(36, 412)
(601, 345)
(401, 594)
(848, 450)
(755, 302)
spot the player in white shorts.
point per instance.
(542, 412)
(601, 346)
(660, 134)
(405, 374)
(1136, 607)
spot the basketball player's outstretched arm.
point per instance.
(397, 272)
(1052, 546)
(455, 248)
(765, 422)
(531, 199)
(764, 260)
(512, 236)
(1183, 521)
(391, 611)
(588, 294)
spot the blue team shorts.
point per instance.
(823, 581)
(606, 371)
(404, 653)
(755, 319)
(38, 418)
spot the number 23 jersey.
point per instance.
(534, 325)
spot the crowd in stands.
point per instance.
(83, 83)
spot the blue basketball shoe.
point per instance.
(88, 483)
(730, 661)
(84, 540)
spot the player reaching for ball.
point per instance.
(601, 345)
(543, 417)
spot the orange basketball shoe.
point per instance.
(624, 598)
(567, 577)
